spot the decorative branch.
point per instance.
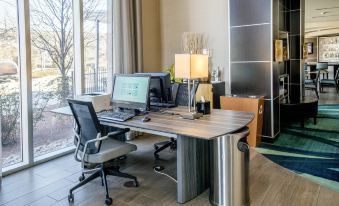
(193, 42)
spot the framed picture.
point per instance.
(279, 50)
(309, 48)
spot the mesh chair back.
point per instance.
(88, 125)
(182, 94)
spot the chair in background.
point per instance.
(330, 82)
(312, 84)
(180, 97)
(323, 67)
(306, 71)
(96, 152)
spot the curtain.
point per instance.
(127, 36)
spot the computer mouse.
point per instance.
(146, 119)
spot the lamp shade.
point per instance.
(191, 66)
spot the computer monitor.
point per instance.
(131, 91)
(160, 87)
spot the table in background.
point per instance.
(299, 110)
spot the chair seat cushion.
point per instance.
(110, 149)
(327, 81)
(309, 81)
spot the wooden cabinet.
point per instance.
(255, 105)
(211, 92)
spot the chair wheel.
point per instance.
(71, 198)
(108, 201)
(81, 178)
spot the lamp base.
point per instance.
(191, 115)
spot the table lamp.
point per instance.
(191, 67)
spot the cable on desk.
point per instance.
(157, 169)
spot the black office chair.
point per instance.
(306, 71)
(180, 97)
(95, 150)
(324, 67)
(312, 84)
(330, 82)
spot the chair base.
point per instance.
(160, 146)
(102, 172)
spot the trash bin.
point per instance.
(230, 170)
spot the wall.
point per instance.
(208, 17)
(151, 35)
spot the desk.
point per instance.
(193, 139)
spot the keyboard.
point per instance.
(161, 104)
(115, 116)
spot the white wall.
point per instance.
(206, 16)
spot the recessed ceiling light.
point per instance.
(324, 12)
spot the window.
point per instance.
(52, 73)
(95, 45)
(52, 81)
(10, 105)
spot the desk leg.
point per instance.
(192, 168)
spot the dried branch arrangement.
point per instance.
(193, 43)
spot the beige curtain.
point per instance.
(127, 36)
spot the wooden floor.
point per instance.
(48, 184)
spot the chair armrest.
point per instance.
(77, 136)
(99, 138)
(119, 132)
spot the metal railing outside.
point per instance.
(96, 82)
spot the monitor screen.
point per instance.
(131, 91)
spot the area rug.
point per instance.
(313, 151)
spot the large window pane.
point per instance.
(52, 73)
(95, 45)
(9, 85)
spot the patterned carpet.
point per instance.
(313, 151)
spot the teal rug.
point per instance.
(313, 151)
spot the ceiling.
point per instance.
(321, 18)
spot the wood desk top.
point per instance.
(218, 123)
